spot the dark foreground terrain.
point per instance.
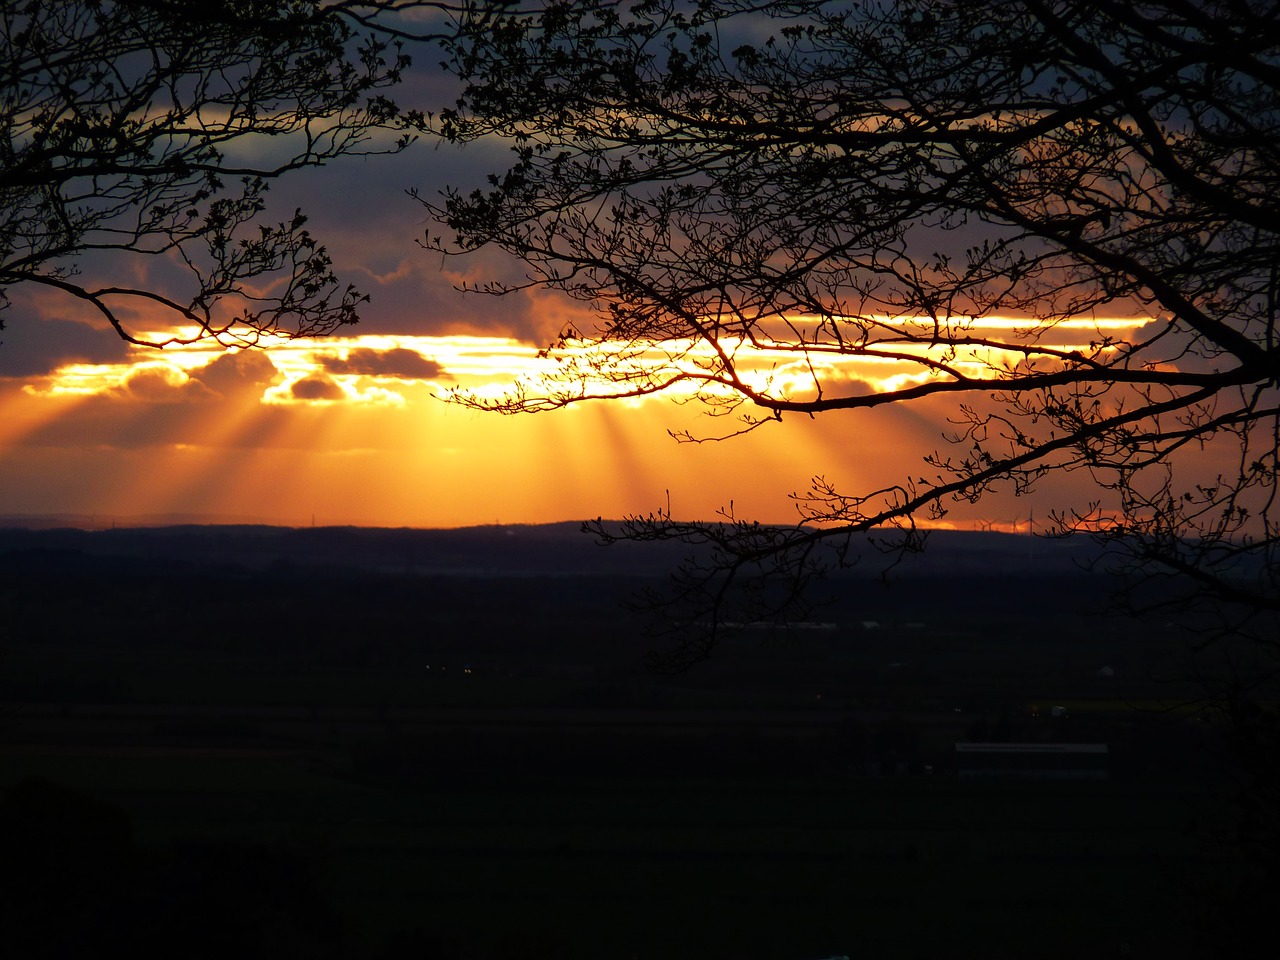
(257, 742)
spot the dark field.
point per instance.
(268, 758)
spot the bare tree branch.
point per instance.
(836, 183)
(141, 128)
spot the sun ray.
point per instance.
(353, 428)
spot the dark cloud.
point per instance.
(317, 387)
(361, 212)
(400, 363)
(420, 298)
(232, 373)
(1179, 347)
(34, 347)
(160, 383)
(845, 382)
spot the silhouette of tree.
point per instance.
(947, 187)
(135, 131)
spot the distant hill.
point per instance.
(547, 550)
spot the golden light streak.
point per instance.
(487, 366)
(199, 429)
(22, 419)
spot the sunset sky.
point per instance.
(354, 430)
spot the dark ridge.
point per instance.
(547, 550)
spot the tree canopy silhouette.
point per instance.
(946, 186)
(149, 130)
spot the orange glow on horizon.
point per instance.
(354, 430)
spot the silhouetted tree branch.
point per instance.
(880, 181)
(152, 129)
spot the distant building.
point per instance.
(1032, 761)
